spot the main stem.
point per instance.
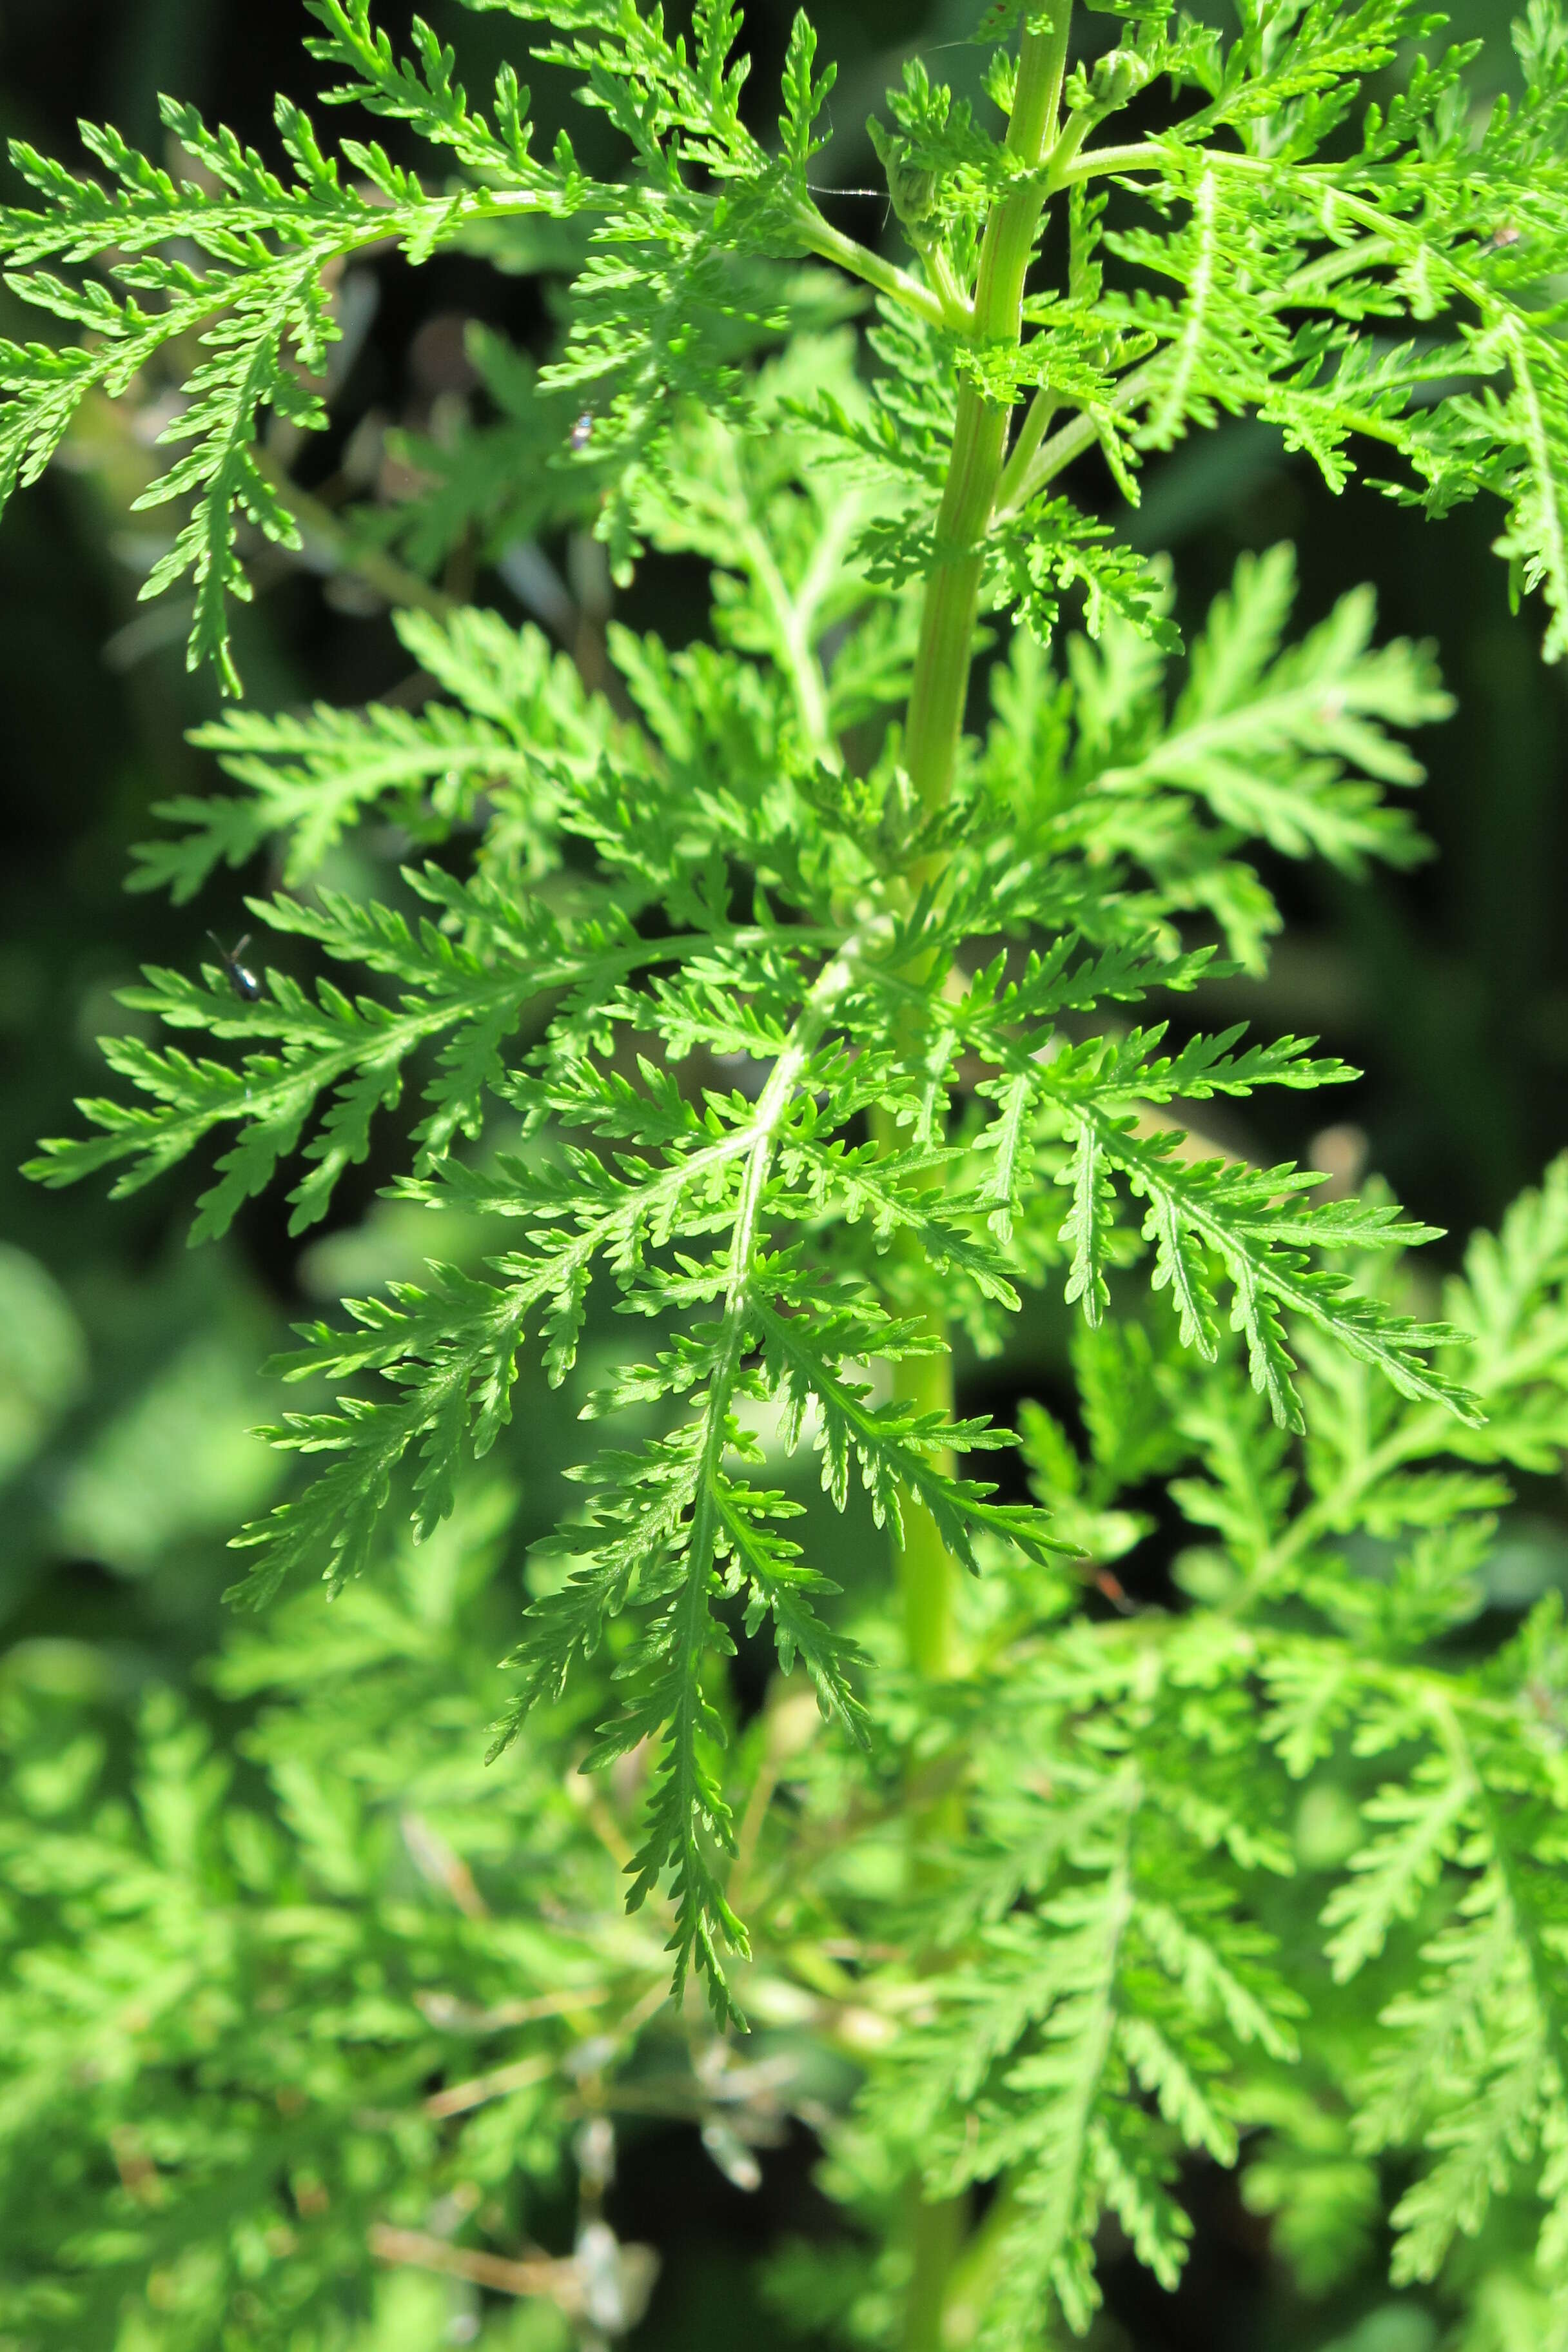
(934, 731)
(979, 442)
(941, 686)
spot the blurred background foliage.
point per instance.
(128, 1366)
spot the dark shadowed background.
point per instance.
(128, 1365)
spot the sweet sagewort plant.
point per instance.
(771, 992)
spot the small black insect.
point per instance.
(241, 978)
(583, 431)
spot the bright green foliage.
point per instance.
(312, 778)
(298, 1964)
(747, 996)
(742, 1177)
(1132, 1783)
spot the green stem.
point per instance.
(936, 2239)
(925, 1570)
(1035, 426)
(1064, 153)
(830, 244)
(934, 731)
(1093, 160)
(976, 2270)
(1078, 434)
(980, 435)
(943, 660)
